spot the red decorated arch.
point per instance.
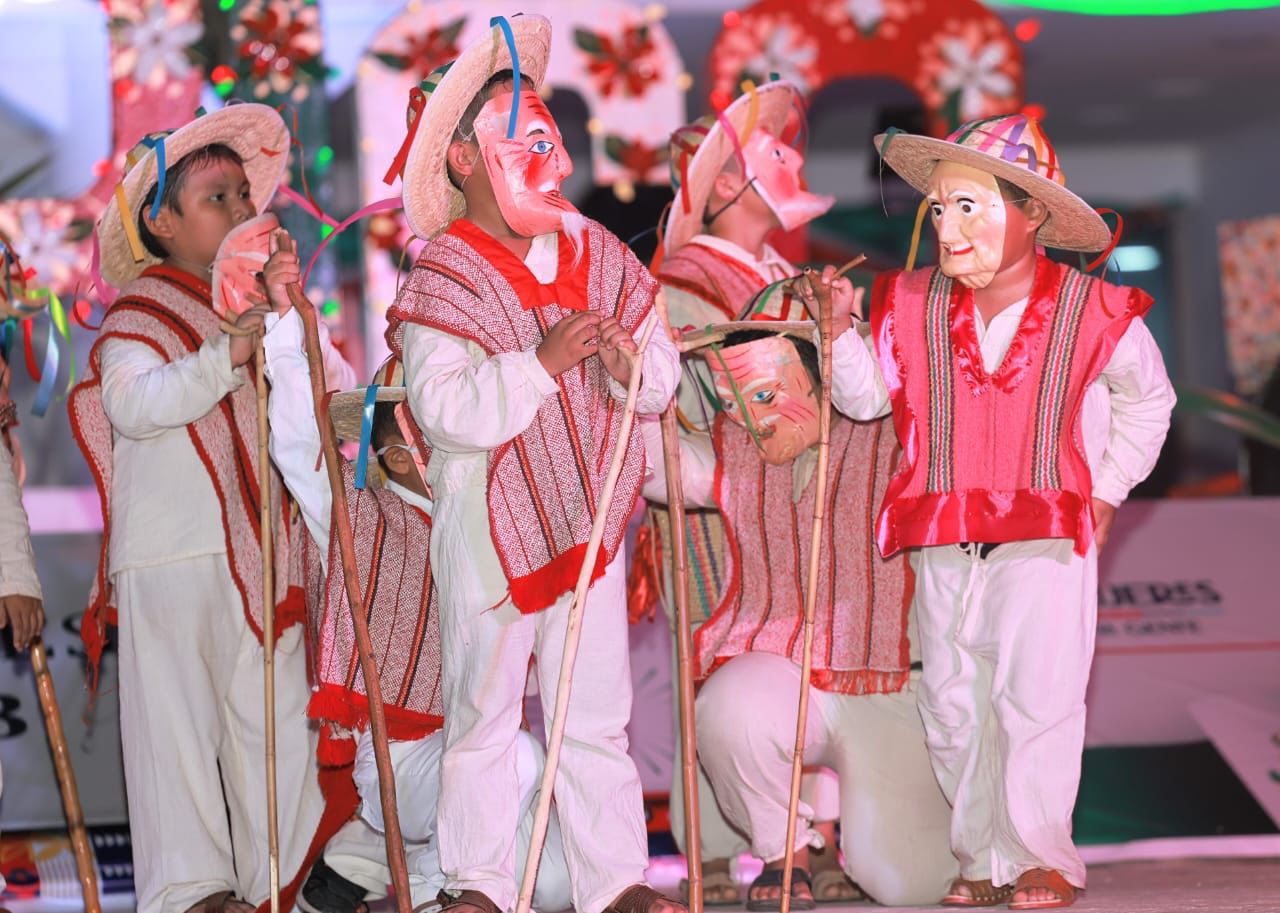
(957, 56)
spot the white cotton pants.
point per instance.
(819, 788)
(597, 788)
(893, 817)
(417, 773)
(191, 727)
(1007, 642)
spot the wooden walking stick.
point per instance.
(684, 657)
(268, 623)
(573, 631)
(811, 593)
(346, 545)
(83, 853)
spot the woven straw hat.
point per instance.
(346, 409)
(699, 152)
(256, 133)
(431, 201)
(1012, 147)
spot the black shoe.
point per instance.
(328, 892)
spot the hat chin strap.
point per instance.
(711, 217)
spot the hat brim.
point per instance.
(1072, 224)
(255, 132)
(775, 100)
(699, 339)
(346, 409)
(431, 202)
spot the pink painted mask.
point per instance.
(526, 171)
(777, 390)
(776, 169)
(241, 257)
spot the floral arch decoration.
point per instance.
(157, 73)
(959, 57)
(617, 56)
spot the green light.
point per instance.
(324, 156)
(226, 5)
(330, 308)
(224, 88)
(1142, 7)
(325, 231)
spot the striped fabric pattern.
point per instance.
(941, 382)
(1051, 398)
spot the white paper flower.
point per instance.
(866, 14)
(788, 52)
(974, 76)
(156, 43)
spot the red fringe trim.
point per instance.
(350, 710)
(539, 590)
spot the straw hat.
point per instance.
(1012, 147)
(255, 132)
(346, 409)
(431, 201)
(699, 152)
(698, 339)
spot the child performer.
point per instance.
(166, 417)
(1030, 398)
(515, 329)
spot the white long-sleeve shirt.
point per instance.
(468, 403)
(17, 560)
(1126, 410)
(163, 504)
(295, 439)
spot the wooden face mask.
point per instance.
(776, 169)
(526, 169)
(240, 260)
(970, 217)
(764, 386)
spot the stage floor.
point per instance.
(1169, 886)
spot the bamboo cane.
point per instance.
(684, 658)
(268, 625)
(346, 545)
(83, 853)
(811, 594)
(573, 632)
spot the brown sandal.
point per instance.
(639, 898)
(718, 889)
(1048, 879)
(982, 893)
(477, 899)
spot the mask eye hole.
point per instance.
(762, 397)
(936, 209)
(542, 147)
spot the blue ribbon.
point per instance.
(8, 332)
(366, 433)
(158, 146)
(502, 23)
(49, 374)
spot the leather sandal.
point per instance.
(772, 878)
(1048, 879)
(981, 893)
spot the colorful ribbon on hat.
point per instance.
(502, 23)
(417, 104)
(366, 433)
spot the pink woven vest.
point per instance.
(992, 457)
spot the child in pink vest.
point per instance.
(1029, 399)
